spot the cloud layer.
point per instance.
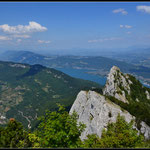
(45, 42)
(20, 32)
(143, 8)
(104, 40)
(21, 29)
(125, 26)
(24, 36)
(4, 38)
(120, 10)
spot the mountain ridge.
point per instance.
(94, 64)
(96, 110)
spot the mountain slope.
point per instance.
(27, 90)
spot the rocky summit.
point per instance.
(116, 84)
(97, 110)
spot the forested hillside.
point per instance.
(26, 91)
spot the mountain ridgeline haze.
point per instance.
(89, 65)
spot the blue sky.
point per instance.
(50, 26)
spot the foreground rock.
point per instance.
(96, 112)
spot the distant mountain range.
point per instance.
(26, 91)
(94, 64)
(136, 56)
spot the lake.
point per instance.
(81, 73)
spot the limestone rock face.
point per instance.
(117, 84)
(96, 112)
(147, 95)
(145, 129)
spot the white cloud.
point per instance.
(120, 10)
(143, 8)
(19, 29)
(121, 26)
(19, 40)
(45, 42)
(25, 36)
(128, 32)
(104, 39)
(125, 26)
(4, 38)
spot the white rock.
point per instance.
(147, 95)
(145, 129)
(96, 112)
(116, 79)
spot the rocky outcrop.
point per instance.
(96, 111)
(147, 95)
(117, 84)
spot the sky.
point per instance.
(49, 26)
